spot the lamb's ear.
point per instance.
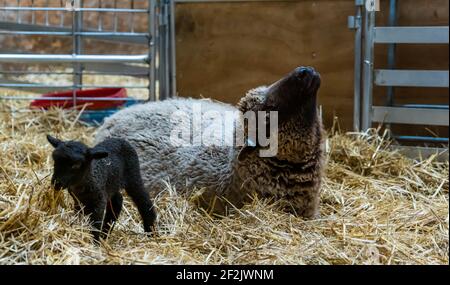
(95, 153)
(53, 141)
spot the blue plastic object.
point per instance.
(97, 117)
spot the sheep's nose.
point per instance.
(302, 72)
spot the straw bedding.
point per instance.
(378, 207)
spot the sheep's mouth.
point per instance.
(57, 185)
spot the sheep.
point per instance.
(94, 178)
(229, 176)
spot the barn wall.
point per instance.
(224, 49)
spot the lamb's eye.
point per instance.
(76, 166)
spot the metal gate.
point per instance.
(368, 35)
(146, 24)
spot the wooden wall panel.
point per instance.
(224, 49)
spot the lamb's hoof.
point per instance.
(152, 233)
(96, 241)
(98, 237)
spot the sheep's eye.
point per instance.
(76, 166)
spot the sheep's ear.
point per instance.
(97, 153)
(249, 147)
(53, 141)
(245, 151)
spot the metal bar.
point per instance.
(29, 89)
(61, 15)
(166, 64)
(131, 16)
(105, 68)
(164, 54)
(34, 72)
(423, 152)
(8, 26)
(369, 24)
(157, 50)
(412, 78)
(71, 58)
(115, 22)
(412, 35)
(440, 107)
(422, 139)
(19, 17)
(131, 73)
(161, 84)
(46, 13)
(40, 88)
(54, 9)
(151, 49)
(391, 49)
(100, 17)
(24, 98)
(173, 63)
(77, 27)
(90, 34)
(161, 52)
(33, 15)
(118, 68)
(37, 85)
(391, 56)
(356, 23)
(412, 116)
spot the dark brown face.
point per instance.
(294, 94)
(293, 98)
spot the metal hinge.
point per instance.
(354, 22)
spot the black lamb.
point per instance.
(94, 178)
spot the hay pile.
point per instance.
(377, 208)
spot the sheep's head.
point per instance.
(293, 95)
(294, 99)
(72, 161)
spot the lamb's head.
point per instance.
(294, 99)
(72, 162)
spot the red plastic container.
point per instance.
(93, 105)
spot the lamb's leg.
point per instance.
(141, 199)
(112, 213)
(77, 206)
(96, 209)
